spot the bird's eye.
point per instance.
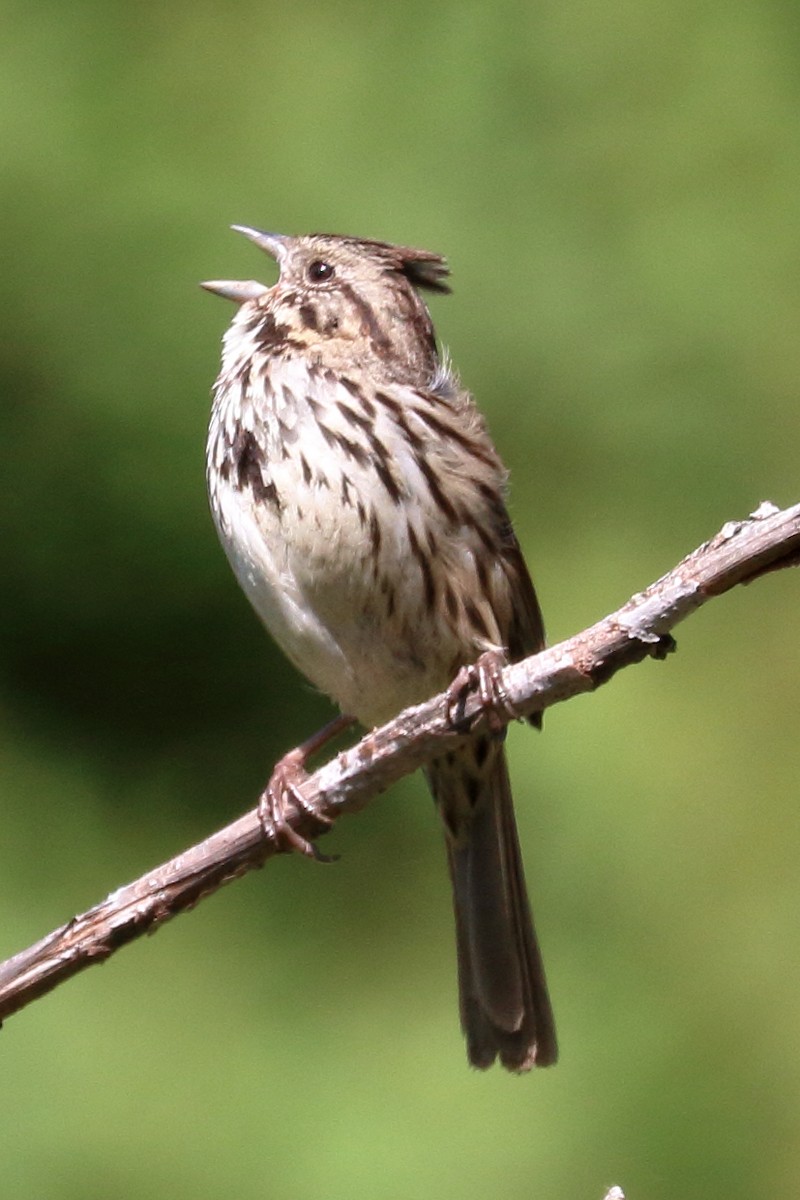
(319, 271)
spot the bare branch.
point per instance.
(740, 552)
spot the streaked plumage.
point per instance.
(360, 501)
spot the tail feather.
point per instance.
(504, 1003)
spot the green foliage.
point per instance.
(616, 189)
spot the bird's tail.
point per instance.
(505, 1006)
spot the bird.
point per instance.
(361, 503)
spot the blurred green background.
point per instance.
(616, 188)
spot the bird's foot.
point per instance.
(484, 677)
(284, 790)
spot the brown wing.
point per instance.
(526, 634)
(526, 629)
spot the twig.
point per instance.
(740, 552)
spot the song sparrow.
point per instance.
(360, 501)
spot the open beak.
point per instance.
(273, 244)
(242, 290)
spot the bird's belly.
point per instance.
(353, 621)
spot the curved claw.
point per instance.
(485, 676)
(283, 788)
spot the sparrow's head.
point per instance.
(342, 301)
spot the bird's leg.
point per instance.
(284, 788)
(484, 676)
